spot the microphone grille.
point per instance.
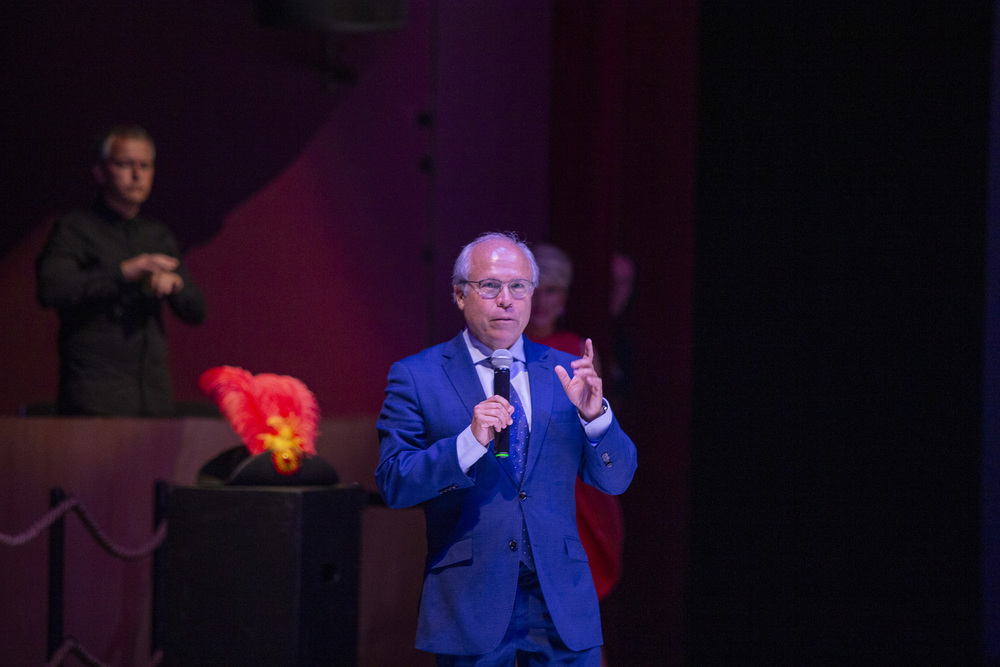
(501, 359)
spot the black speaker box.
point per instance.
(262, 575)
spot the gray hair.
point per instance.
(103, 146)
(460, 274)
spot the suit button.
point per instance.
(513, 545)
(522, 495)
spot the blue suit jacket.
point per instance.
(473, 519)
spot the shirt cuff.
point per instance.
(469, 449)
(596, 429)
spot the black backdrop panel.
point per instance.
(838, 333)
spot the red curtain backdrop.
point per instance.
(623, 150)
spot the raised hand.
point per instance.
(585, 389)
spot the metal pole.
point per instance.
(161, 493)
(57, 542)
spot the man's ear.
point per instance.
(99, 175)
(459, 294)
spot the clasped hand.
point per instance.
(157, 270)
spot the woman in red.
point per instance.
(598, 515)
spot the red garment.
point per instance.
(599, 516)
(567, 341)
(602, 530)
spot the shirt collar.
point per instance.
(102, 210)
(480, 352)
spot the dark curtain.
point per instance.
(623, 118)
(838, 333)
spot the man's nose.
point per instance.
(504, 298)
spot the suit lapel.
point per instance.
(542, 378)
(457, 365)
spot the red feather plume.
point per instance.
(268, 412)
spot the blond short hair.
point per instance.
(554, 266)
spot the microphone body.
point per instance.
(501, 361)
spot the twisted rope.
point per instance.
(76, 506)
(70, 645)
(42, 524)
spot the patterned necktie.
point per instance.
(518, 435)
(518, 457)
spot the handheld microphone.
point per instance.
(501, 361)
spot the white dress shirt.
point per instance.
(469, 449)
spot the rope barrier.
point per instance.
(39, 526)
(74, 504)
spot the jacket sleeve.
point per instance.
(610, 464)
(189, 303)
(412, 469)
(67, 277)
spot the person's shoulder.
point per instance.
(77, 217)
(435, 353)
(543, 352)
(75, 223)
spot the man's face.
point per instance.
(126, 177)
(496, 322)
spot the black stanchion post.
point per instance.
(161, 493)
(57, 540)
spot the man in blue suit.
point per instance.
(506, 576)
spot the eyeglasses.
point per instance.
(490, 287)
(140, 165)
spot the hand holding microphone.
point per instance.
(491, 418)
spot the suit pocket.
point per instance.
(575, 550)
(456, 553)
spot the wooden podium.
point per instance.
(261, 575)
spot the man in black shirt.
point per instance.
(107, 271)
